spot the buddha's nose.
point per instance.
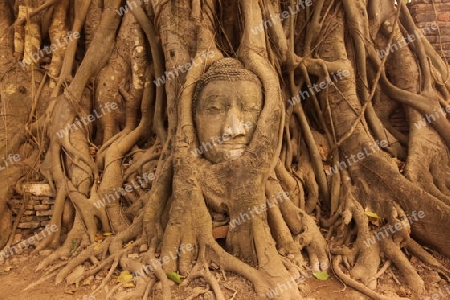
(234, 125)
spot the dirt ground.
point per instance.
(18, 272)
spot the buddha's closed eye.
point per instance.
(215, 108)
(254, 108)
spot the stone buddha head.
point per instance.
(226, 105)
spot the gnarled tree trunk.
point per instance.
(317, 149)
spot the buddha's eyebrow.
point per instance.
(213, 97)
(250, 98)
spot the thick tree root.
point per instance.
(356, 285)
(289, 149)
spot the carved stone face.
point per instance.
(226, 116)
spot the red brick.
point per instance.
(444, 17)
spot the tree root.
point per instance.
(198, 292)
(188, 191)
(201, 270)
(418, 251)
(356, 285)
(393, 252)
(77, 233)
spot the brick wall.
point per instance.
(38, 209)
(423, 12)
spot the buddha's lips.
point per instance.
(237, 152)
(232, 146)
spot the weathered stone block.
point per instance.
(27, 218)
(47, 200)
(40, 213)
(38, 189)
(29, 225)
(43, 223)
(42, 207)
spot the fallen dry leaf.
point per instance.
(129, 284)
(125, 277)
